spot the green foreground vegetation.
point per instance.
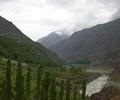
(26, 51)
(25, 82)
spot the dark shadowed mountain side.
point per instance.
(52, 39)
(100, 44)
(9, 29)
(15, 45)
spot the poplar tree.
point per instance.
(39, 79)
(22, 89)
(74, 93)
(55, 92)
(19, 83)
(61, 93)
(28, 83)
(1, 86)
(67, 90)
(84, 85)
(53, 89)
(7, 82)
(45, 86)
(3, 90)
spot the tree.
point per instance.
(53, 92)
(8, 93)
(68, 90)
(22, 89)
(2, 96)
(28, 83)
(61, 94)
(1, 87)
(39, 78)
(0, 57)
(84, 85)
(45, 86)
(74, 93)
(19, 83)
(83, 61)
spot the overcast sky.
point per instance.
(37, 18)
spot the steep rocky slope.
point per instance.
(100, 44)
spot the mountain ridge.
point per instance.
(99, 43)
(52, 39)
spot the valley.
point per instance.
(83, 66)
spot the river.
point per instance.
(96, 85)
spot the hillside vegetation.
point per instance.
(17, 46)
(25, 51)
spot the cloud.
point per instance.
(37, 18)
(60, 3)
(6, 1)
(117, 14)
(115, 5)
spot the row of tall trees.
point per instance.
(47, 87)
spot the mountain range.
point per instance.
(17, 46)
(100, 44)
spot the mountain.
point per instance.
(17, 46)
(100, 44)
(9, 29)
(52, 39)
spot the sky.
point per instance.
(38, 18)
